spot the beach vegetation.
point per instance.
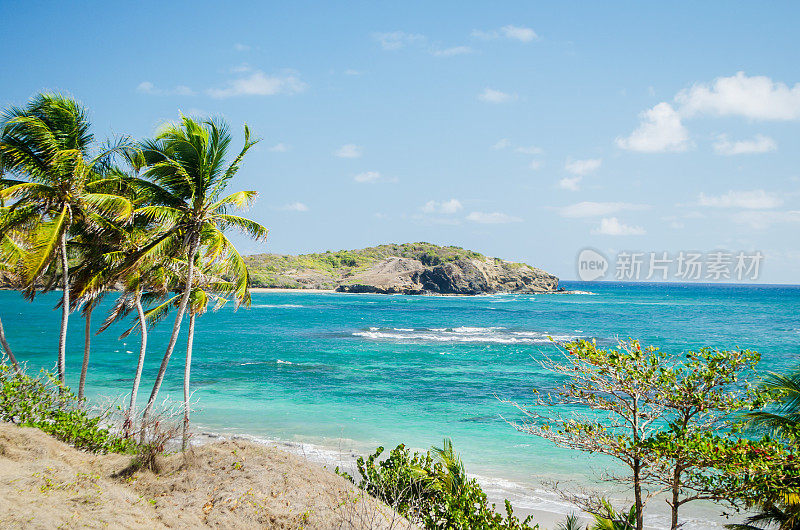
(147, 218)
(773, 491)
(607, 518)
(59, 190)
(432, 489)
(42, 402)
(671, 420)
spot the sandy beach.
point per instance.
(46, 484)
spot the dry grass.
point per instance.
(233, 484)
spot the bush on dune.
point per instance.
(432, 489)
(43, 403)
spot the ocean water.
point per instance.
(342, 374)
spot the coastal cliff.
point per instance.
(413, 268)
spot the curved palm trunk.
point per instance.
(7, 348)
(186, 372)
(142, 350)
(176, 328)
(62, 340)
(87, 341)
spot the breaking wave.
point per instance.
(497, 335)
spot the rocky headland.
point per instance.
(413, 268)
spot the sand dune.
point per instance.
(232, 484)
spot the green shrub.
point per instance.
(432, 490)
(42, 403)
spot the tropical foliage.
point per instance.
(148, 219)
(672, 420)
(432, 489)
(43, 403)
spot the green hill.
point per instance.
(325, 270)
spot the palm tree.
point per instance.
(48, 144)
(570, 522)
(208, 286)
(771, 516)
(142, 286)
(784, 417)
(610, 519)
(186, 161)
(782, 420)
(10, 254)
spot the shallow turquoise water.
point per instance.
(356, 371)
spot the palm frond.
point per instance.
(45, 241)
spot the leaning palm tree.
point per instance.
(209, 287)
(139, 288)
(187, 163)
(47, 145)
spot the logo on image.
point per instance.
(592, 265)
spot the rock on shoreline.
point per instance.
(407, 268)
(396, 275)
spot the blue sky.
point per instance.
(522, 130)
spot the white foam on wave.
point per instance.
(279, 361)
(498, 335)
(276, 306)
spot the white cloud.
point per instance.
(756, 97)
(583, 167)
(749, 200)
(512, 32)
(758, 144)
(295, 207)
(259, 84)
(279, 148)
(570, 183)
(395, 40)
(529, 150)
(348, 151)
(661, 130)
(368, 176)
(535, 164)
(146, 87)
(491, 95)
(760, 220)
(610, 226)
(239, 47)
(451, 52)
(597, 209)
(753, 97)
(445, 207)
(492, 218)
(519, 33)
(502, 144)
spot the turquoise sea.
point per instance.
(338, 373)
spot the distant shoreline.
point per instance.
(329, 291)
(289, 290)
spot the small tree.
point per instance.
(620, 386)
(670, 419)
(702, 396)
